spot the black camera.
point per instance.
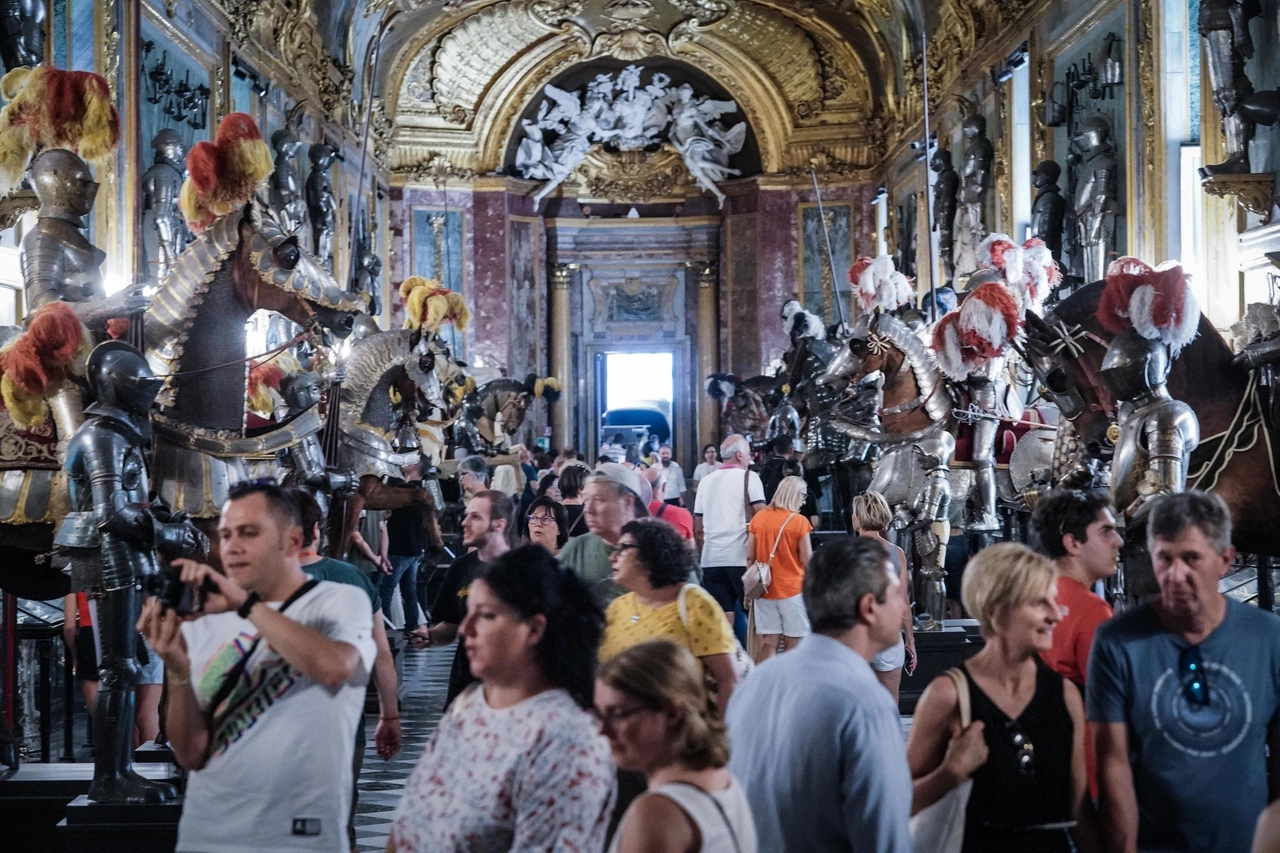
(173, 594)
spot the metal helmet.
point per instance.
(1134, 365)
(975, 125)
(61, 179)
(301, 392)
(168, 145)
(120, 376)
(1094, 131)
(363, 327)
(1047, 173)
(283, 141)
(982, 276)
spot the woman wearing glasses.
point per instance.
(652, 563)
(546, 525)
(1024, 748)
(655, 711)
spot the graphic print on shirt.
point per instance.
(1203, 731)
(263, 682)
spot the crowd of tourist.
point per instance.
(599, 698)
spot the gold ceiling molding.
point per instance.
(464, 64)
(461, 86)
(633, 176)
(285, 35)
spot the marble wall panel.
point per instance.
(741, 280)
(525, 297)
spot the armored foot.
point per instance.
(131, 789)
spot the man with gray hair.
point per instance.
(817, 741)
(473, 475)
(1183, 693)
(612, 497)
(722, 507)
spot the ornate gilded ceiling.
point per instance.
(817, 79)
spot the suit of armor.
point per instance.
(287, 196)
(985, 386)
(1048, 212)
(931, 507)
(161, 185)
(1224, 26)
(975, 182)
(23, 43)
(366, 280)
(305, 459)
(58, 262)
(1096, 199)
(321, 205)
(944, 208)
(111, 538)
(1157, 432)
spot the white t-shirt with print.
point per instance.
(278, 775)
(724, 515)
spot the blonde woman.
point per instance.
(871, 518)
(660, 721)
(1024, 748)
(780, 613)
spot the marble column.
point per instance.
(562, 355)
(707, 275)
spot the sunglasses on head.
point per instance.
(1026, 751)
(1195, 687)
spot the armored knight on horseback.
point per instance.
(1153, 315)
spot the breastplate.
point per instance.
(58, 263)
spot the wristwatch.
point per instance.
(243, 610)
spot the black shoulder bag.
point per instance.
(233, 675)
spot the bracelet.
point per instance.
(243, 610)
(388, 719)
(179, 682)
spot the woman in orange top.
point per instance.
(780, 612)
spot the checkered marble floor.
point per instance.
(425, 681)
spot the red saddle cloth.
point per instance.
(1007, 435)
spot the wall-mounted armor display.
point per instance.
(946, 188)
(322, 207)
(1096, 202)
(1048, 212)
(161, 185)
(975, 183)
(23, 36)
(287, 194)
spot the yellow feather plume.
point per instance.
(27, 410)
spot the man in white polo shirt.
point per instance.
(725, 501)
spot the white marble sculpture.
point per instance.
(629, 116)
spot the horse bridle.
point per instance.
(1072, 340)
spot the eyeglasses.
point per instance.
(539, 520)
(624, 547)
(1195, 687)
(1026, 756)
(610, 717)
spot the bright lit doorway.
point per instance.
(638, 396)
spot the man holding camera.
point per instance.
(266, 683)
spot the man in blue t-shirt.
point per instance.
(1183, 693)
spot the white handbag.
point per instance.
(939, 828)
(758, 576)
(742, 663)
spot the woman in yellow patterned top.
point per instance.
(652, 563)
